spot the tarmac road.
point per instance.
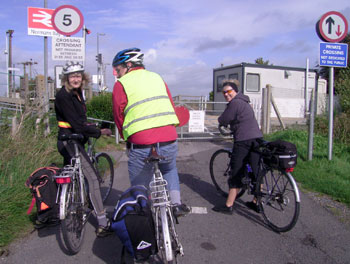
(243, 238)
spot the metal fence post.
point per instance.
(116, 134)
(264, 110)
(311, 125)
(268, 109)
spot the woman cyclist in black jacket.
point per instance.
(71, 116)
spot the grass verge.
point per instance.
(20, 156)
(331, 177)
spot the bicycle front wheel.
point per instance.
(73, 228)
(279, 200)
(105, 171)
(220, 171)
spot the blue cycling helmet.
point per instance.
(133, 55)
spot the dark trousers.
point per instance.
(242, 153)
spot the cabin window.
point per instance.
(253, 82)
(219, 80)
(233, 76)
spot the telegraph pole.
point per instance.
(99, 61)
(28, 63)
(46, 90)
(9, 65)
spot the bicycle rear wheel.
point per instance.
(279, 200)
(73, 226)
(105, 171)
(220, 171)
(163, 238)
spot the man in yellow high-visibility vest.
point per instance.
(144, 114)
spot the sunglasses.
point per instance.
(227, 91)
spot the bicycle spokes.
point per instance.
(278, 199)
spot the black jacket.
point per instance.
(70, 107)
(240, 116)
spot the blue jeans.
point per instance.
(141, 173)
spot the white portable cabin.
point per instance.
(287, 83)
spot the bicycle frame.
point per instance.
(69, 176)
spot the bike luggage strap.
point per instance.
(130, 145)
(67, 172)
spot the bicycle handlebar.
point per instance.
(224, 130)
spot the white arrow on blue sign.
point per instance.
(333, 54)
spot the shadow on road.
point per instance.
(108, 249)
(206, 190)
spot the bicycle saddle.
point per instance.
(153, 157)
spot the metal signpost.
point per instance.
(333, 54)
(39, 22)
(68, 49)
(332, 27)
(67, 20)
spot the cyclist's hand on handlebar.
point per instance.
(106, 131)
(224, 130)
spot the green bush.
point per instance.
(341, 127)
(342, 88)
(100, 107)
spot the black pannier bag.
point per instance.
(44, 190)
(133, 223)
(283, 154)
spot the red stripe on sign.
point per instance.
(40, 18)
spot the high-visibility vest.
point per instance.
(148, 105)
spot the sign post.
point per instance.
(68, 49)
(196, 122)
(39, 22)
(332, 27)
(333, 54)
(67, 20)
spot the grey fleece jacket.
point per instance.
(240, 116)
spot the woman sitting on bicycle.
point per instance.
(245, 129)
(71, 116)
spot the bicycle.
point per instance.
(73, 194)
(275, 189)
(168, 242)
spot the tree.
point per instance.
(100, 107)
(211, 96)
(261, 61)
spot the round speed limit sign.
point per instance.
(67, 20)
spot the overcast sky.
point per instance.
(184, 40)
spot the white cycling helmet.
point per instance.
(72, 66)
